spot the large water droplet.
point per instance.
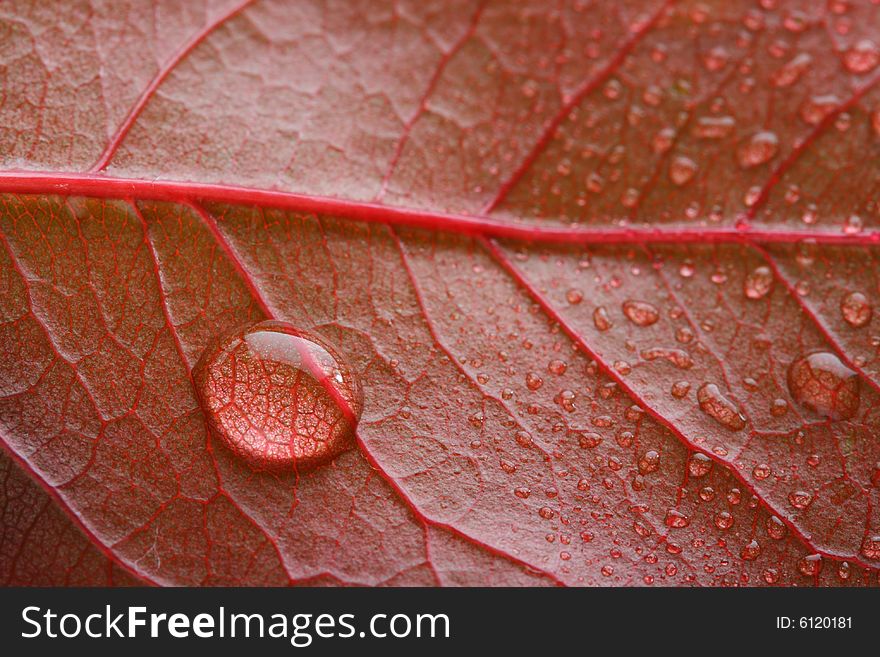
(757, 149)
(822, 383)
(279, 397)
(714, 404)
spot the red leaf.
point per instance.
(605, 273)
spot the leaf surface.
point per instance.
(582, 260)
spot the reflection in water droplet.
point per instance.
(758, 283)
(757, 149)
(714, 404)
(278, 397)
(822, 383)
(640, 313)
(856, 309)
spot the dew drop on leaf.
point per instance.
(714, 404)
(862, 57)
(815, 108)
(791, 71)
(810, 565)
(723, 520)
(278, 397)
(751, 550)
(757, 149)
(800, 499)
(699, 465)
(649, 462)
(856, 309)
(713, 127)
(682, 170)
(601, 320)
(775, 528)
(640, 313)
(871, 547)
(758, 283)
(680, 389)
(676, 519)
(821, 383)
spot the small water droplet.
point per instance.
(714, 404)
(723, 520)
(871, 547)
(751, 550)
(699, 465)
(778, 407)
(853, 225)
(681, 170)
(640, 313)
(791, 71)
(800, 499)
(279, 397)
(680, 389)
(574, 296)
(713, 127)
(601, 320)
(758, 149)
(822, 383)
(533, 381)
(522, 492)
(862, 57)
(810, 565)
(758, 283)
(856, 309)
(815, 108)
(761, 471)
(557, 367)
(649, 462)
(681, 359)
(676, 519)
(775, 528)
